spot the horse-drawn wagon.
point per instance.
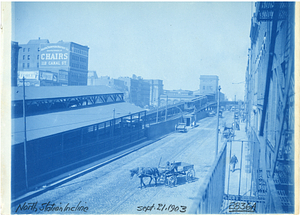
(168, 175)
(228, 132)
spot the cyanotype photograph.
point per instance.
(152, 108)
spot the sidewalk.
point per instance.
(238, 182)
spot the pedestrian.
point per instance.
(233, 162)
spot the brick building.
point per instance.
(138, 90)
(14, 62)
(62, 63)
(269, 107)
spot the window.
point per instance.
(83, 60)
(75, 58)
(28, 58)
(82, 67)
(28, 49)
(28, 65)
(23, 65)
(23, 49)
(203, 87)
(23, 57)
(37, 65)
(37, 57)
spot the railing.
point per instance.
(210, 195)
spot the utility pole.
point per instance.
(157, 114)
(25, 135)
(217, 131)
(166, 109)
(180, 113)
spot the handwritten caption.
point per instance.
(242, 207)
(48, 206)
(162, 207)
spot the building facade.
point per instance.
(209, 84)
(29, 55)
(43, 63)
(175, 96)
(14, 62)
(92, 76)
(108, 81)
(138, 91)
(156, 90)
(269, 105)
(174, 99)
(67, 57)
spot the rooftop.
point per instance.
(38, 41)
(209, 76)
(48, 92)
(53, 123)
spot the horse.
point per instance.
(143, 172)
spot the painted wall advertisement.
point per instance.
(48, 76)
(31, 75)
(54, 55)
(31, 78)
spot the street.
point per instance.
(109, 189)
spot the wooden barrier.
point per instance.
(210, 196)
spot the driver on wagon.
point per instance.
(170, 167)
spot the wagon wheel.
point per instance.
(190, 175)
(171, 181)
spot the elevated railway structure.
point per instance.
(194, 105)
(61, 98)
(67, 128)
(71, 127)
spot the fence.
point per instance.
(210, 195)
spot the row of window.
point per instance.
(83, 60)
(28, 49)
(24, 49)
(28, 57)
(76, 58)
(28, 65)
(208, 88)
(79, 51)
(83, 66)
(77, 75)
(76, 65)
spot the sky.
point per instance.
(172, 41)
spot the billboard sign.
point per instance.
(28, 75)
(29, 83)
(54, 55)
(46, 76)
